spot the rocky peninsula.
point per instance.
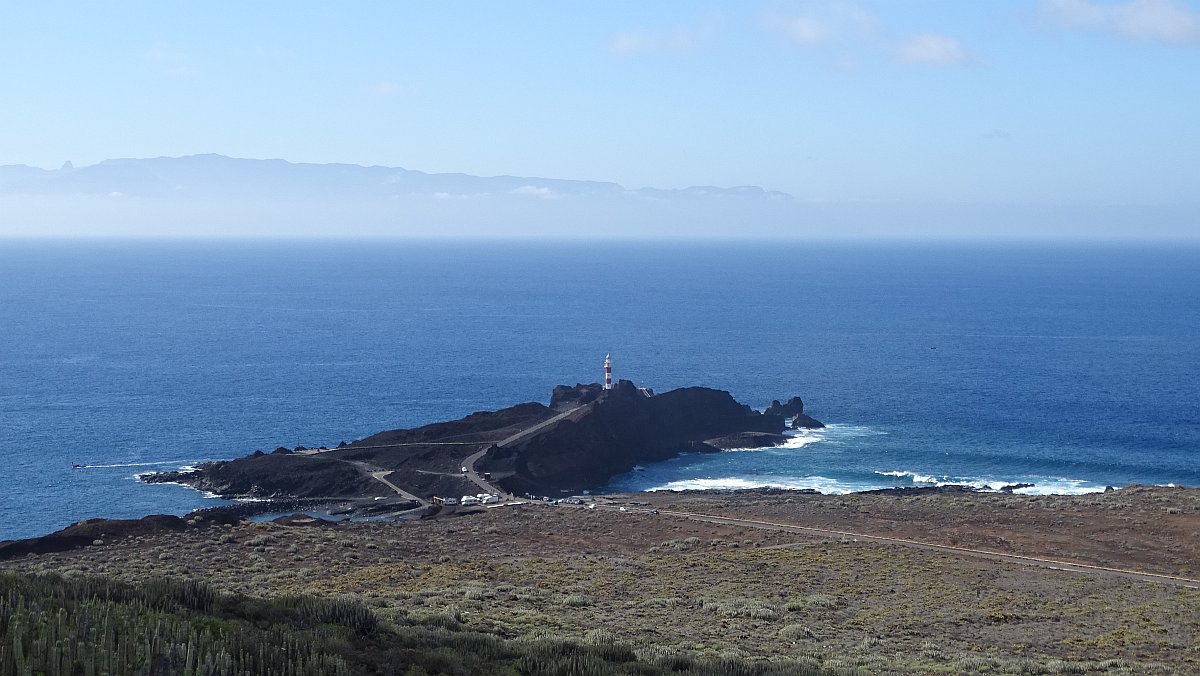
(583, 438)
(759, 582)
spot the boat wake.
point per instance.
(129, 464)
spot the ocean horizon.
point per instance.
(1067, 366)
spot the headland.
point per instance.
(585, 436)
(759, 582)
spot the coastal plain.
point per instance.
(731, 576)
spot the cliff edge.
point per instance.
(586, 436)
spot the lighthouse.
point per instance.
(608, 371)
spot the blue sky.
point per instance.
(1085, 103)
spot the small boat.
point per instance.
(76, 465)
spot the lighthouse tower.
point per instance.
(608, 371)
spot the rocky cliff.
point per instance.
(793, 410)
(623, 428)
(585, 437)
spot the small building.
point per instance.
(470, 500)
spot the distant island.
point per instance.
(211, 175)
(217, 195)
(583, 438)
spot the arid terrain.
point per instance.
(650, 571)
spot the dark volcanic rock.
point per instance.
(793, 407)
(345, 471)
(801, 421)
(481, 425)
(922, 490)
(277, 475)
(793, 410)
(88, 532)
(622, 429)
(585, 437)
(747, 440)
(564, 396)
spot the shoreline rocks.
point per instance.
(598, 434)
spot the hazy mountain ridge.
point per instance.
(212, 176)
(215, 195)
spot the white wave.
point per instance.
(834, 432)
(847, 431)
(795, 439)
(1060, 487)
(817, 483)
(1041, 486)
(185, 469)
(918, 478)
(802, 438)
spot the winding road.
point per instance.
(380, 475)
(470, 460)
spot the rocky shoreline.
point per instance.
(583, 438)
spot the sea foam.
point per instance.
(817, 483)
(1041, 485)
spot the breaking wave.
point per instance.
(1041, 485)
(833, 434)
(817, 483)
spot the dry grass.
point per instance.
(700, 589)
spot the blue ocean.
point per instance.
(1067, 366)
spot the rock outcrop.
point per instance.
(793, 410)
(565, 396)
(584, 438)
(743, 440)
(98, 532)
(277, 475)
(793, 407)
(623, 428)
(802, 421)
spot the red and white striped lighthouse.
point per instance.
(608, 371)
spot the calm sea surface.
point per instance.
(1069, 367)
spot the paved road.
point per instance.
(470, 460)
(1020, 559)
(315, 451)
(529, 431)
(380, 475)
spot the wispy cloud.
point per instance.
(828, 23)
(172, 61)
(540, 192)
(931, 49)
(680, 38)
(847, 32)
(1168, 21)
